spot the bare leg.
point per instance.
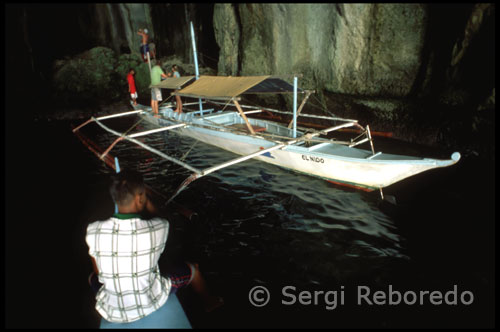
(179, 103)
(154, 106)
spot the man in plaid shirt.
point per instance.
(125, 250)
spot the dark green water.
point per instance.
(256, 225)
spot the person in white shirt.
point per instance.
(125, 250)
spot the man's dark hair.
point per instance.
(125, 185)
(131, 70)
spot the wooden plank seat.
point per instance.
(243, 127)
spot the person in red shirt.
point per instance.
(131, 86)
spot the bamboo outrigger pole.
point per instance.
(105, 117)
(212, 169)
(161, 154)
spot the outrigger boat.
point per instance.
(221, 121)
(226, 125)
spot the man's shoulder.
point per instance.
(97, 225)
(151, 221)
(108, 223)
(158, 221)
(157, 68)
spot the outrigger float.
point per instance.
(221, 121)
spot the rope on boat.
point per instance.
(187, 153)
(165, 100)
(323, 107)
(290, 113)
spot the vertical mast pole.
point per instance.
(195, 62)
(149, 62)
(294, 107)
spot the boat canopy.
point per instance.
(228, 87)
(173, 82)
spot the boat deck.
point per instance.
(233, 121)
(243, 127)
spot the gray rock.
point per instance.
(363, 49)
(227, 34)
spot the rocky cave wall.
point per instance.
(367, 50)
(387, 60)
(364, 50)
(422, 71)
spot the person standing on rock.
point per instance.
(144, 45)
(156, 75)
(131, 86)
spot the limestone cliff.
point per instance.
(397, 63)
(368, 50)
(423, 71)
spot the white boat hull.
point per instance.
(349, 166)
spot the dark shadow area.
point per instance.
(54, 187)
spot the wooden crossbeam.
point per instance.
(249, 126)
(301, 106)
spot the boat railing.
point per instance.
(283, 133)
(287, 113)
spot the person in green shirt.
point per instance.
(156, 75)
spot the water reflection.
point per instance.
(254, 209)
